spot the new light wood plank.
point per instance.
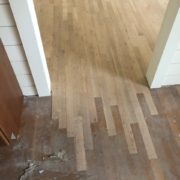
(101, 50)
(79, 146)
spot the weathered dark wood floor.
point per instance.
(42, 143)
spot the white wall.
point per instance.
(12, 42)
(173, 72)
(164, 68)
(27, 25)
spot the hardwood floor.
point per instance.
(109, 122)
(53, 155)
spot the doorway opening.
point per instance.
(98, 53)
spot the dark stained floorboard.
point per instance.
(41, 140)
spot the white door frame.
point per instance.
(26, 21)
(167, 42)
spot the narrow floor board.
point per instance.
(98, 53)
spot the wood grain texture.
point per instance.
(79, 146)
(99, 51)
(41, 138)
(3, 139)
(10, 97)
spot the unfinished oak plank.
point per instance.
(79, 146)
